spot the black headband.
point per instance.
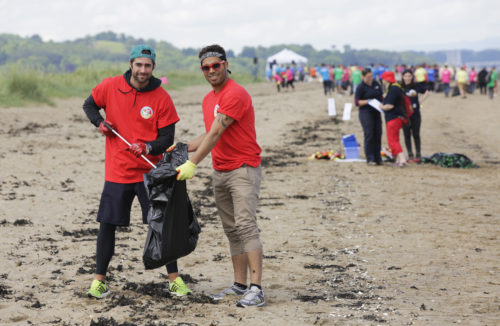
(212, 54)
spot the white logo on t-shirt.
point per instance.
(215, 109)
(146, 112)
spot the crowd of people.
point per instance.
(390, 87)
(343, 79)
(285, 75)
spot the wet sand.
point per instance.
(345, 243)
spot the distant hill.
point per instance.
(110, 49)
(468, 57)
(491, 43)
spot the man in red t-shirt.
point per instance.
(230, 136)
(144, 114)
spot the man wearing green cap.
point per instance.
(138, 108)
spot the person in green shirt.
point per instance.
(492, 81)
(356, 79)
(338, 72)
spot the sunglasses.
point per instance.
(215, 66)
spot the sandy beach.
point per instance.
(345, 243)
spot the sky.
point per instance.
(363, 24)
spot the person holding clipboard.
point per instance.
(370, 117)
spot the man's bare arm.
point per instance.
(209, 140)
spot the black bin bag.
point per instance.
(173, 228)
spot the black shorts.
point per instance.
(116, 202)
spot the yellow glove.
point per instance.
(186, 170)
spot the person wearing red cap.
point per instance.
(393, 107)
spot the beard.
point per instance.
(141, 78)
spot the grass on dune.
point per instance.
(20, 87)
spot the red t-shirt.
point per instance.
(238, 143)
(136, 116)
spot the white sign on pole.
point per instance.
(347, 111)
(332, 111)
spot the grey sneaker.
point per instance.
(253, 297)
(232, 290)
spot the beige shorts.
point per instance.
(236, 197)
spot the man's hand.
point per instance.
(138, 149)
(186, 170)
(105, 130)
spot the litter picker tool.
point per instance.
(126, 142)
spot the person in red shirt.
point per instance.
(393, 107)
(230, 136)
(143, 113)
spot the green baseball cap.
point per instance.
(143, 51)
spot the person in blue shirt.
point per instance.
(268, 73)
(302, 73)
(325, 75)
(374, 71)
(379, 71)
(430, 78)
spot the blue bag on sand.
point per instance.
(351, 148)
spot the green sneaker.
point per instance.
(98, 290)
(178, 287)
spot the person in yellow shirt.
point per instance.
(420, 74)
(462, 81)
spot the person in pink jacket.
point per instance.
(445, 80)
(289, 77)
(279, 81)
(472, 79)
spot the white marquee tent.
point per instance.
(286, 56)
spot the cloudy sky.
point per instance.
(386, 25)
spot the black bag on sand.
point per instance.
(173, 228)
(454, 160)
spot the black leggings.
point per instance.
(327, 86)
(413, 128)
(482, 88)
(106, 249)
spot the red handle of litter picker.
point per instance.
(126, 142)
